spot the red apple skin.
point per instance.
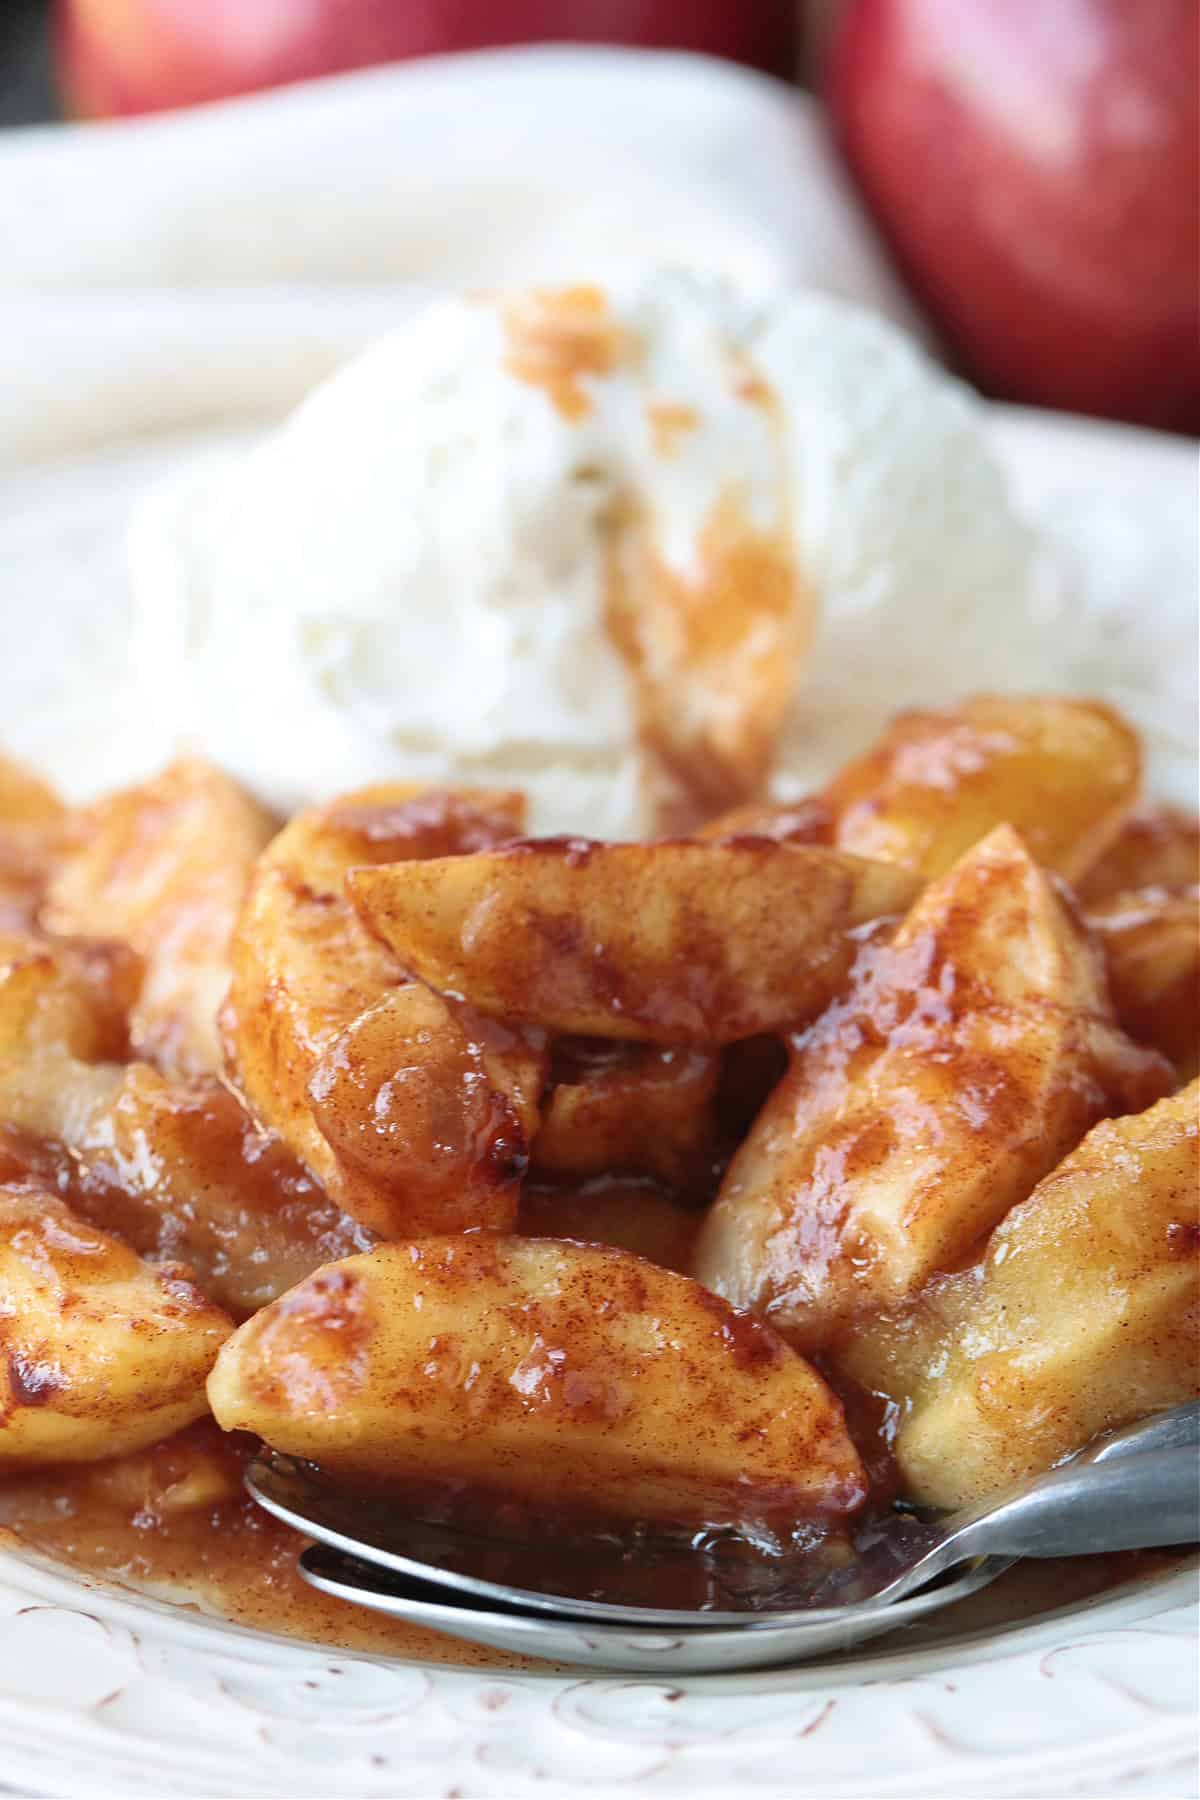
(116, 57)
(1034, 165)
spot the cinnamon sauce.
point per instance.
(174, 1522)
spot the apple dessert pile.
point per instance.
(661, 1181)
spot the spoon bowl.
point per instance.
(582, 1600)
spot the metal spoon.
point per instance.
(750, 1644)
(1130, 1490)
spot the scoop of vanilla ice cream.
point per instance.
(408, 579)
(401, 581)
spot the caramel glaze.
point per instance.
(557, 338)
(711, 655)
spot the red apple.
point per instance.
(1034, 165)
(132, 56)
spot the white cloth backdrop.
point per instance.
(162, 273)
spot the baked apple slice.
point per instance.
(181, 1172)
(178, 1170)
(1063, 772)
(1158, 847)
(629, 1108)
(163, 867)
(1082, 1315)
(674, 943)
(970, 1053)
(410, 1117)
(428, 1114)
(1151, 943)
(64, 1015)
(100, 1353)
(558, 1375)
(64, 998)
(630, 1212)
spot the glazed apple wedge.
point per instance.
(1082, 1315)
(682, 942)
(1158, 847)
(969, 1054)
(630, 1212)
(629, 1107)
(1063, 772)
(1151, 943)
(409, 1119)
(100, 1353)
(64, 1015)
(163, 867)
(178, 1170)
(540, 1371)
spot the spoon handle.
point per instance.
(1119, 1503)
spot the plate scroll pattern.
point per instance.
(102, 1686)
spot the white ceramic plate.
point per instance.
(105, 1692)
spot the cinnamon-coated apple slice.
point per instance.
(1151, 943)
(1080, 1316)
(631, 1108)
(679, 942)
(163, 867)
(410, 1119)
(1062, 771)
(1158, 846)
(543, 1372)
(100, 1352)
(969, 1054)
(178, 1170)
